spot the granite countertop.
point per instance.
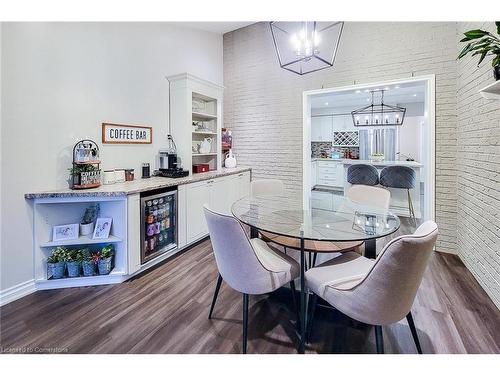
(136, 186)
(385, 163)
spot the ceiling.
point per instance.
(215, 27)
(413, 92)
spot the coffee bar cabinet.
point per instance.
(196, 118)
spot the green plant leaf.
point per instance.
(465, 51)
(475, 34)
(483, 55)
(496, 61)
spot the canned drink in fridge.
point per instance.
(152, 243)
(157, 227)
(151, 230)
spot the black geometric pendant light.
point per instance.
(305, 47)
(378, 114)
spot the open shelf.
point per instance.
(204, 132)
(207, 154)
(203, 116)
(82, 240)
(492, 91)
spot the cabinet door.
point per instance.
(223, 193)
(243, 184)
(313, 173)
(133, 233)
(316, 127)
(197, 195)
(326, 128)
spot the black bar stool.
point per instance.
(400, 177)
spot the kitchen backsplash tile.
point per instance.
(317, 148)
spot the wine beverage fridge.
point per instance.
(158, 223)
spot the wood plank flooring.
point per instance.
(166, 309)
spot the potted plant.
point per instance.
(56, 263)
(74, 262)
(105, 259)
(89, 262)
(76, 170)
(88, 219)
(483, 43)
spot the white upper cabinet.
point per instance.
(321, 129)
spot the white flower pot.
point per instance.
(86, 229)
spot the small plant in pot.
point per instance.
(105, 260)
(88, 219)
(56, 263)
(89, 262)
(74, 262)
(483, 43)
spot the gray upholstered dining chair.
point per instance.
(400, 177)
(376, 292)
(265, 187)
(362, 174)
(248, 266)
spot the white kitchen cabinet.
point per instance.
(219, 193)
(243, 179)
(313, 173)
(321, 129)
(330, 173)
(134, 235)
(197, 195)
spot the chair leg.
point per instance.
(245, 322)
(219, 282)
(284, 248)
(413, 330)
(410, 205)
(379, 339)
(314, 302)
(314, 259)
(294, 298)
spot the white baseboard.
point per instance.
(17, 291)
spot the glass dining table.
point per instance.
(343, 221)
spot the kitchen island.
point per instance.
(332, 174)
(122, 203)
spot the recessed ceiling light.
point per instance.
(414, 94)
(367, 99)
(387, 88)
(326, 103)
(358, 91)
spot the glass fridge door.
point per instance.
(158, 225)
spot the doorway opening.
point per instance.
(333, 140)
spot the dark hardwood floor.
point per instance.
(165, 311)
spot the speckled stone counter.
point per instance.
(137, 186)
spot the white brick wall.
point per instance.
(263, 103)
(478, 167)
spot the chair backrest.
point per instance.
(362, 174)
(386, 294)
(398, 176)
(267, 187)
(235, 257)
(370, 196)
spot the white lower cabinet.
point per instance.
(330, 173)
(219, 193)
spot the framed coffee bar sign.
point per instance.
(126, 134)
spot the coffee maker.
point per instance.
(169, 162)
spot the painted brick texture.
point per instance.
(263, 103)
(478, 171)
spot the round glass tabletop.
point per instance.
(344, 221)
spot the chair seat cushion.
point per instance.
(342, 272)
(274, 260)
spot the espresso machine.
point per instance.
(169, 162)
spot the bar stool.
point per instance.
(362, 174)
(400, 177)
